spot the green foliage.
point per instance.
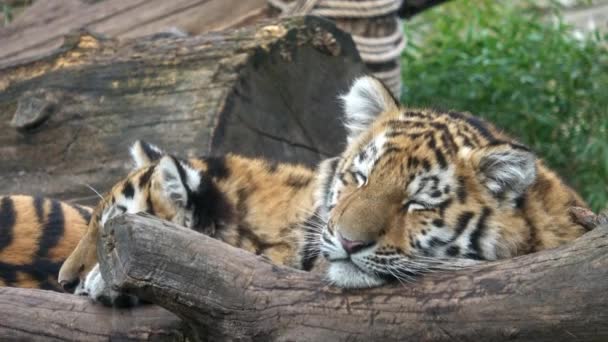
(529, 75)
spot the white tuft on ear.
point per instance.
(143, 153)
(367, 99)
(177, 179)
(507, 171)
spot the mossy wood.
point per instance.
(266, 90)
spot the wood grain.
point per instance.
(226, 293)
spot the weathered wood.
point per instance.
(41, 27)
(37, 315)
(267, 90)
(223, 292)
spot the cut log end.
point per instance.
(232, 91)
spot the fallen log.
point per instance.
(266, 90)
(225, 293)
(38, 315)
(41, 26)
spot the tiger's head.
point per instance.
(417, 189)
(160, 185)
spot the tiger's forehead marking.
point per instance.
(367, 158)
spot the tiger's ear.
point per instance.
(177, 180)
(506, 170)
(367, 99)
(143, 153)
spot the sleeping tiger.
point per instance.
(415, 190)
(36, 235)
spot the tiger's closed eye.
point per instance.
(359, 178)
(413, 205)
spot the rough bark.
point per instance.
(41, 27)
(266, 90)
(226, 293)
(37, 315)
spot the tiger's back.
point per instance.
(36, 235)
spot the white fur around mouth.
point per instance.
(346, 274)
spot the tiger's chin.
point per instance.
(347, 275)
(99, 291)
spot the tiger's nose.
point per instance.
(354, 246)
(69, 286)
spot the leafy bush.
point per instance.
(527, 74)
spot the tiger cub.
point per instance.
(414, 190)
(36, 235)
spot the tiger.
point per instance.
(37, 234)
(415, 190)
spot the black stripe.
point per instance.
(149, 151)
(8, 272)
(440, 159)
(84, 213)
(431, 141)
(461, 192)
(39, 207)
(477, 234)
(298, 181)
(182, 176)
(7, 222)
(145, 177)
(443, 206)
(426, 165)
(461, 224)
(392, 149)
(128, 191)
(398, 124)
(310, 249)
(261, 246)
(446, 136)
(333, 165)
(53, 229)
(216, 167)
(437, 242)
(42, 270)
(453, 251)
(412, 162)
(150, 205)
(478, 124)
(416, 115)
(210, 205)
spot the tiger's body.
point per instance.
(37, 234)
(415, 190)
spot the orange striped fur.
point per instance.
(36, 236)
(414, 191)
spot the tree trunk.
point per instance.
(37, 315)
(225, 293)
(267, 90)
